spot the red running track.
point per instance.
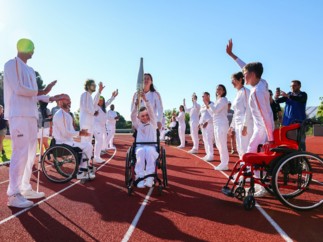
(191, 209)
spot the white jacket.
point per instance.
(63, 129)
(193, 112)
(219, 111)
(88, 106)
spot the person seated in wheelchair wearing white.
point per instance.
(145, 122)
(64, 133)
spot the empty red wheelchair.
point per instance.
(284, 169)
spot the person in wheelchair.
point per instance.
(145, 123)
(171, 135)
(64, 133)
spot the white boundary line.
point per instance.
(53, 195)
(135, 221)
(281, 232)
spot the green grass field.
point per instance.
(7, 148)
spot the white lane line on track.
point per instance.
(281, 232)
(53, 195)
(135, 221)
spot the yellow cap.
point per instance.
(25, 46)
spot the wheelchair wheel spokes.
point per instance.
(164, 168)
(298, 181)
(59, 164)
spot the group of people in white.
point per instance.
(252, 121)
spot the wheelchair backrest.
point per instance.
(288, 136)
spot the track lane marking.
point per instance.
(281, 232)
(53, 195)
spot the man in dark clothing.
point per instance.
(277, 111)
(295, 103)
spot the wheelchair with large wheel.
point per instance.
(60, 162)
(130, 176)
(284, 169)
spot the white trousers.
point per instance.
(221, 141)
(111, 130)
(195, 134)
(100, 136)
(181, 133)
(87, 150)
(90, 129)
(23, 132)
(243, 141)
(259, 136)
(208, 139)
(148, 154)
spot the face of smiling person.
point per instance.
(147, 82)
(219, 91)
(144, 116)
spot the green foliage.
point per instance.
(319, 113)
(40, 82)
(122, 123)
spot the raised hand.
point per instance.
(101, 87)
(49, 87)
(115, 93)
(229, 49)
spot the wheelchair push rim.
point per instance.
(59, 164)
(298, 181)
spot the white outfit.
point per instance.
(111, 127)
(155, 102)
(99, 132)
(194, 123)
(242, 118)
(20, 99)
(207, 132)
(261, 112)
(63, 132)
(219, 112)
(145, 133)
(88, 106)
(181, 127)
(163, 129)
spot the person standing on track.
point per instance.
(21, 95)
(181, 126)
(206, 125)
(242, 123)
(113, 117)
(64, 133)
(219, 112)
(144, 121)
(194, 123)
(154, 98)
(89, 107)
(263, 121)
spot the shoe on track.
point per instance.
(193, 151)
(31, 194)
(18, 201)
(98, 160)
(149, 182)
(141, 184)
(222, 168)
(81, 175)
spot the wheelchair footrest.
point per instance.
(227, 191)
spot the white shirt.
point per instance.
(181, 118)
(193, 112)
(145, 132)
(260, 106)
(240, 105)
(63, 129)
(20, 90)
(88, 106)
(219, 111)
(154, 100)
(111, 122)
(205, 116)
(101, 118)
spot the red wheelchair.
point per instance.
(285, 170)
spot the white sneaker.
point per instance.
(31, 194)
(18, 201)
(84, 175)
(221, 167)
(206, 158)
(260, 191)
(149, 182)
(180, 146)
(98, 160)
(141, 184)
(193, 151)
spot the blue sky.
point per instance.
(182, 43)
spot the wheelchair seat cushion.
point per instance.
(260, 158)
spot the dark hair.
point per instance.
(207, 93)
(298, 82)
(270, 92)
(152, 88)
(255, 67)
(103, 107)
(224, 89)
(238, 76)
(182, 108)
(88, 83)
(142, 109)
